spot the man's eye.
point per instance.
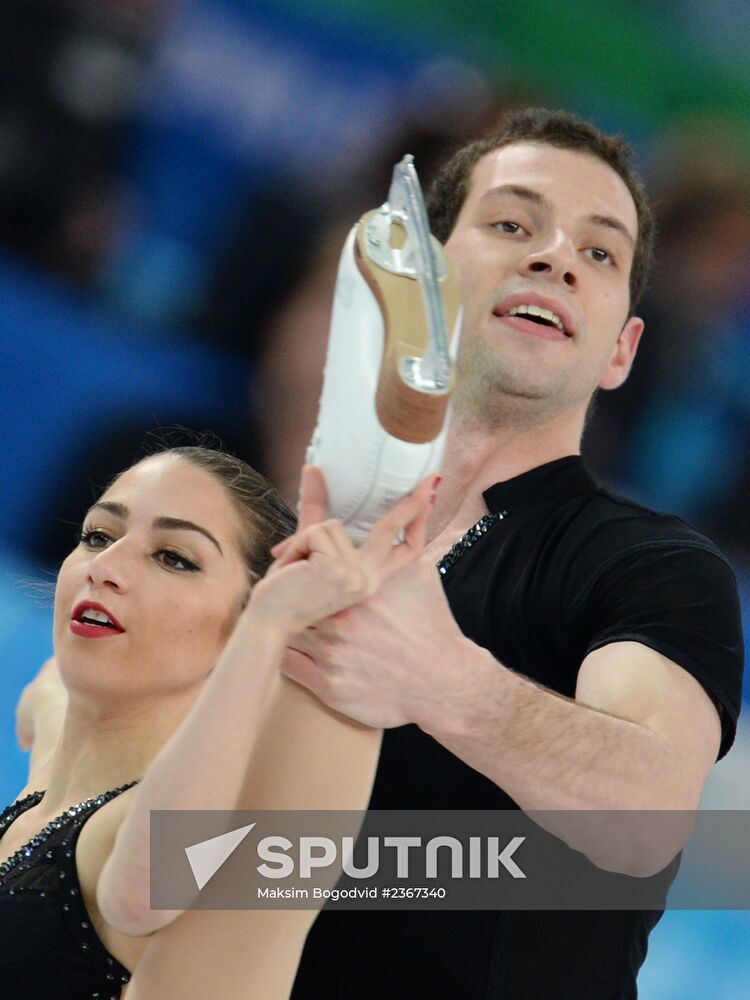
(93, 538)
(506, 226)
(173, 560)
(600, 255)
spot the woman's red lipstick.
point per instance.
(87, 625)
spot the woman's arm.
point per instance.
(40, 714)
(306, 757)
(205, 764)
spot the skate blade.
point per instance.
(405, 412)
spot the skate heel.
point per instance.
(405, 410)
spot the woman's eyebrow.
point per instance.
(121, 511)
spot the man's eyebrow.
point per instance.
(536, 198)
(610, 222)
(179, 523)
(517, 191)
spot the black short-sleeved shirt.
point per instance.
(570, 568)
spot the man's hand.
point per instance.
(392, 659)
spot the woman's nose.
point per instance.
(108, 569)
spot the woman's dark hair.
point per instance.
(266, 517)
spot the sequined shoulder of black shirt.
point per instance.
(465, 542)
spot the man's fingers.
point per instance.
(313, 498)
(302, 669)
(314, 641)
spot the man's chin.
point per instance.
(496, 400)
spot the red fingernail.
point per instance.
(435, 483)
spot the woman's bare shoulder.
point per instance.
(37, 782)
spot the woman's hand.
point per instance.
(42, 697)
(318, 571)
(40, 715)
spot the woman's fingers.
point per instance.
(413, 543)
(313, 498)
(328, 538)
(313, 507)
(280, 548)
(358, 570)
(409, 517)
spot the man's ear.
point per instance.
(623, 354)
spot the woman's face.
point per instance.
(161, 558)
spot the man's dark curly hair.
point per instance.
(555, 128)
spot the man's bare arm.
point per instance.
(641, 734)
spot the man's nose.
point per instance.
(555, 258)
(108, 568)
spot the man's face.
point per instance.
(554, 230)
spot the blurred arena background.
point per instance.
(176, 179)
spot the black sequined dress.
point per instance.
(48, 945)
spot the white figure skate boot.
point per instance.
(389, 370)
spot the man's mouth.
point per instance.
(545, 317)
(536, 311)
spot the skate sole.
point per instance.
(404, 412)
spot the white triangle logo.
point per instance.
(207, 857)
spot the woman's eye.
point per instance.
(97, 540)
(93, 538)
(173, 560)
(506, 226)
(600, 255)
